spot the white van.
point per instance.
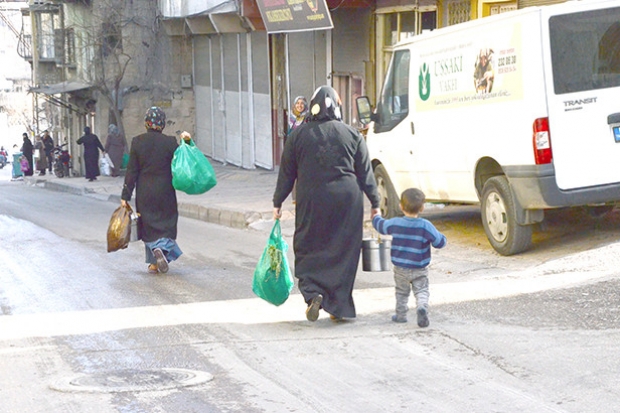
(519, 112)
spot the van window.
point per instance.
(585, 50)
(394, 104)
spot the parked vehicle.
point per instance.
(518, 112)
(62, 161)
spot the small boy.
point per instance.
(412, 238)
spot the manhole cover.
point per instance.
(132, 380)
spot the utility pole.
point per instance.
(35, 64)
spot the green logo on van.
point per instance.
(424, 82)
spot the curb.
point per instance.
(213, 215)
(54, 186)
(229, 218)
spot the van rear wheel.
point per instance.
(499, 218)
(390, 201)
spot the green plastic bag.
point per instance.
(125, 161)
(191, 171)
(272, 280)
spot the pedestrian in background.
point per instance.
(297, 117)
(329, 160)
(41, 163)
(412, 238)
(4, 157)
(48, 143)
(299, 112)
(149, 171)
(27, 149)
(92, 145)
(115, 147)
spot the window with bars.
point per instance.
(459, 11)
(397, 26)
(112, 39)
(47, 22)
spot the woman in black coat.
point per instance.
(92, 145)
(27, 150)
(149, 172)
(330, 162)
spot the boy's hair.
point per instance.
(412, 200)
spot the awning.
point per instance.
(62, 87)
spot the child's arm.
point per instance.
(378, 223)
(440, 240)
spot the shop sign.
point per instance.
(282, 16)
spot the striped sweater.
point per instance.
(411, 239)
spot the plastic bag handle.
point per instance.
(190, 143)
(276, 231)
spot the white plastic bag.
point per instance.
(105, 165)
(107, 158)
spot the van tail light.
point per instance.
(542, 141)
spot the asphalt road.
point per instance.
(82, 330)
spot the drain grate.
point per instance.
(133, 380)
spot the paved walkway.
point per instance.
(241, 198)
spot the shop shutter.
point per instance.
(406, 3)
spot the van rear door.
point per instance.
(583, 49)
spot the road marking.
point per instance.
(257, 311)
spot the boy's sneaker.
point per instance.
(423, 317)
(398, 319)
(312, 312)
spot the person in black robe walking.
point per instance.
(27, 150)
(48, 142)
(92, 145)
(149, 171)
(330, 162)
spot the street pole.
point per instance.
(35, 64)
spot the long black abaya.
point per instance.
(150, 173)
(92, 145)
(330, 162)
(27, 150)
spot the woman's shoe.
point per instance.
(312, 312)
(153, 269)
(162, 262)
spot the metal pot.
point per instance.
(376, 254)
(134, 234)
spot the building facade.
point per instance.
(214, 66)
(245, 77)
(102, 62)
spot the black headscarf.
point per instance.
(325, 105)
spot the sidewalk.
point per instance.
(242, 198)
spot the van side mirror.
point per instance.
(364, 110)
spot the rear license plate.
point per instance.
(617, 133)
